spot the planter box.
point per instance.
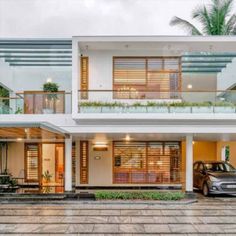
(47, 111)
(112, 109)
(90, 109)
(224, 109)
(202, 109)
(180, 109)
(157, 109)
(136, 109)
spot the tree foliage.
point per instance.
(215, 19)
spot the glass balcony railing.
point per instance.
(36, 103)
(108, 101)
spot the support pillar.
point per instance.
(189, 163)
(68, 164)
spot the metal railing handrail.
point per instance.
(171, 91)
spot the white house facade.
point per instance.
(130, 111)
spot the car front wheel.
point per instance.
(205, 190)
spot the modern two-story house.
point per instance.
(131, 111)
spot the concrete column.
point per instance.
(189, 163)
(75, 75)
(68, 164)
(13, 102)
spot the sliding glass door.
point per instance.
(44, 163)
(52, 164)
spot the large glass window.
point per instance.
(146, 162)
(146, 77)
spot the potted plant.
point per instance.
(136, 107)
(180, 107)
(154, 107)
(115, 107)
(50, 88)
(90, 107)
(4, 103)
(203, 107)
(224, 107)
(47, 177)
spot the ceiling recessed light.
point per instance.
(19, 139)
(127, 138)
(189, 86)
(49, 80)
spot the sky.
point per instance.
(67, 18)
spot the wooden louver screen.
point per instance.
(129, 71)
(84, 162)
(73, 163)
(146, 162)
(32, 162)
(146, 77)
(84, 77)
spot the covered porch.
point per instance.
(33, 159)
(147, 160)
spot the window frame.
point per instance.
(146, 58)
(163, 143)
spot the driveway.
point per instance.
(215, 215)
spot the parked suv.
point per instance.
(214, 177)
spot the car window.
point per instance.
(201, 167)
(229, 167)
(219, 167)
(195, 166)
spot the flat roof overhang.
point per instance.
(185, 43)
(30, 132)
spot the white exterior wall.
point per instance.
(16, 159)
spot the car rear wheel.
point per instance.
(205, 190)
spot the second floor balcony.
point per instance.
(36, 102)
(110, 101)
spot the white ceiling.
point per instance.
(101, 137)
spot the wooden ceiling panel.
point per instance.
(28, 133)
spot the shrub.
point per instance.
(150, 195)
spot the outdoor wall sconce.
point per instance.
(99, 146)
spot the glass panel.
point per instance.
(146, 162)
(52, 164)
(171, 64)
(155, 64)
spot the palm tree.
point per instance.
(215, 19)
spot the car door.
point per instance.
(195, 174)
(201, 175)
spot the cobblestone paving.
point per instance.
(211, 216)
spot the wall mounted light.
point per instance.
(100, 146)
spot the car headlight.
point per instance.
(212, 178)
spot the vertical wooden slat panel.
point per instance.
(32, 162)
(84, 77)
(73, 163)
(84, 162)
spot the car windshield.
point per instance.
(219, 167)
